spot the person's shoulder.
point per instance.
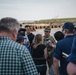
(60, 41)
(32, 34)
(51, 37)
(69, 36)
(18, 46)
(43, 45)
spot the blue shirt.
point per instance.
(63, 45)
(72, 57)
(15, 59)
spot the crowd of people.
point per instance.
(23, 53)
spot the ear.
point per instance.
(14, 34)
(65, 32)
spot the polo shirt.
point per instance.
(63, 45)
(72, 57)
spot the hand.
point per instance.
(52, 45)
(64, 57)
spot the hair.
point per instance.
(27, 26)
(58, 35)
(8, 24)
(38, 38)
(20, 25)
(47, 29)
(69, 30)
(21, 32)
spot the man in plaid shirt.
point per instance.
(15, 59)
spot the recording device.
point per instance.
(65, 54)
(48, 41)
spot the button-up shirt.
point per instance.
(15, 59)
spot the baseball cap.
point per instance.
(47, 29)
(68, 25)
(20, 38)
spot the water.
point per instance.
(41, 31)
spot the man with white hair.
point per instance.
(15, 59)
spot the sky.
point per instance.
(37, 9)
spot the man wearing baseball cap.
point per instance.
(63, 47)
(50, 43)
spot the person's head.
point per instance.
(28, 30)
(20, 25)
(58, 35)
(9, 27)
(21, 32)
(38, 38)
(68, 28)
(47, 31)
(20, 39)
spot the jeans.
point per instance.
(42, 69)
(52, 70)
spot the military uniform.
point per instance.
(49, 49)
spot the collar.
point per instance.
(4, 37)
(69, 36)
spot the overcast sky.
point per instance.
(37, 9)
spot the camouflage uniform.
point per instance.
(49, 49)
